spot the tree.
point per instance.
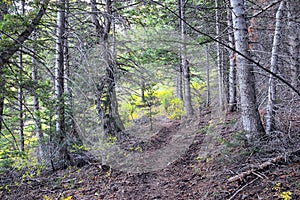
(294, 37)
(10, 46)
(36, 102)
(70, 122)
(273, 68)
(3, 11)
(20, 91)
(179, 89)
(232, 103)
(219, 64)
(106, 98)
(250, 116)
(185, 66)
(59, 83)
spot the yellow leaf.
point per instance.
(68, 198)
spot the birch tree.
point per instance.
(273, 68)
(232, 103)
(250, 116)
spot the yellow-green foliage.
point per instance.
(130, 110)
(164, 102)
(165, 95)
(285, 195)
(199, 88)
(176, 110)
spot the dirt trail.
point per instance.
(190, 176)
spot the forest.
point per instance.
(148, 99)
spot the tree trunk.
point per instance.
(207, 76)
(250, 116)
(294, 45)
(179, 88)
(232, 68)
(2, 84)
(273, 67)
(59, 69)
(107, 104)
(3, 11)
(59, 84)
(67, 73)
(36, 104)
(20, 102)
(219, 65)
(20, 93)
(185, 65)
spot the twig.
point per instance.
(239, 190)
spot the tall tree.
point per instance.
(232, 103)
(179, 88)
(219, 61)
(20, 91)
(184, 63)
(273, 68)
(250, 116)
(3, 11)
(207, 76)
(59, 84)
(70, 123)
(294, 38)
(36, 103)
(107, 104)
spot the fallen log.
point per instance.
(254, 169)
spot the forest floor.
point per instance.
(203, 171)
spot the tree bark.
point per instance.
(207, 76)
(179, 88)
(219, 65)
(67, 75)
(185, 65)
(2, 84)
(273, 67)
(20, 93)
(294, 38)
(36, 104)
(21, 102)
(59, 85)
(250, 116)
(107, 104)
(232, 67)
